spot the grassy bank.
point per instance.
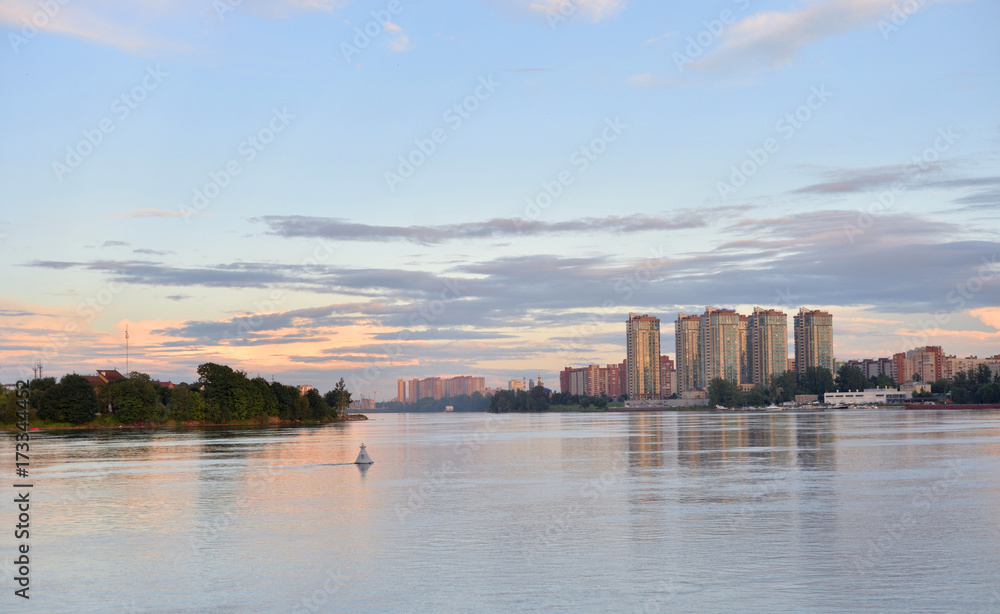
(107, 422)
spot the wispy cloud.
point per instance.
(144, 213)
(594, 10)
(140, 25)
(773, 38)
(343, 230)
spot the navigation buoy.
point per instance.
(363, 458)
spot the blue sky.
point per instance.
(228, 179)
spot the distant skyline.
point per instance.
(384, 190)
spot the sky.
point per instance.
(389, 189)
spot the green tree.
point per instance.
(36, 388)
(268, 400)
(724, 392)
(290, 401)
(229, 394)
(186, 404)
(757, 397)
(318, 408)
(341, 397)
(983, 375)
(817, 380)
(8, 401)
(917, 377)
(72, 400)
(131, 399)
(851, 378)
(884, 381)
(502, 401)
(784, 387)
(988, 393)
(540, 399)
(941, 386)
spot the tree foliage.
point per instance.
(131, 399)
(850, 378)
(725, 393)
(72, 400)
(520, 401)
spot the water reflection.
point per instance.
(676, 511)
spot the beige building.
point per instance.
(767, 332)
(813, 340)
(643, 350)
(722, 345)
(687, 334)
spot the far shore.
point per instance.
(191, 424)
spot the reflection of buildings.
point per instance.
(645, 441)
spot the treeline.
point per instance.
(973, 386)
(220, 396)
(462, 403)
(584, 401)
(507, 401)
(969, 387)
(783, 388)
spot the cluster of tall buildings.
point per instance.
(438, 388)
(748, 349)
(926, 363)
(720, 343)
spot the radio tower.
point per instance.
(38, 366)
(126, 350)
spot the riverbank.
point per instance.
(44, 425)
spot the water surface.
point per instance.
(854, 511)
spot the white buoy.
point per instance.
(363, 458)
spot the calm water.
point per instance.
(826, 512)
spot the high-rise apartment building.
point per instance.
(642, 341)
(767, 344)
(437, 388)
(668, 377)
(722, 345)
(813, 340)
(927, 362)
(687, 333)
